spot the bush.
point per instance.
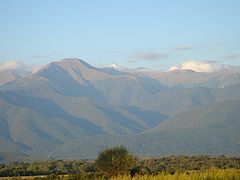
(114, 161)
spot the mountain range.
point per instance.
(72, 110)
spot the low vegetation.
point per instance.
(211, 174)
(118, 163)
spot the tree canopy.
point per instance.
(114, 161)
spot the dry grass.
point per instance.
(212, 174)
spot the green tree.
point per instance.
(114, 161)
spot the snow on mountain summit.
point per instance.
(114, 66)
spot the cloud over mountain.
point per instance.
(9, 65)
(198, 66)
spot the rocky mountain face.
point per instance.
(70, 109)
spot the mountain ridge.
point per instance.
(70, 102)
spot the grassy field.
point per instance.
(211, 174)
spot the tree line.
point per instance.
(118, 161)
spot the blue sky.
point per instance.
(152, 33)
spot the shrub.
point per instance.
(114, 161)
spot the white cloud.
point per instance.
(197, 66)
(173, 68)
(19, 66)
(10, 65)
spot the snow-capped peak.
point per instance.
(114, 66)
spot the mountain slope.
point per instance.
(188, 78)
(70, 104)
(61, 102)
(10, 75)
(37, 124)
(213, 129)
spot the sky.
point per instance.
(156, 34)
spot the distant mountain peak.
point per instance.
(75, 62)
(122, 68)
(68, 64)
